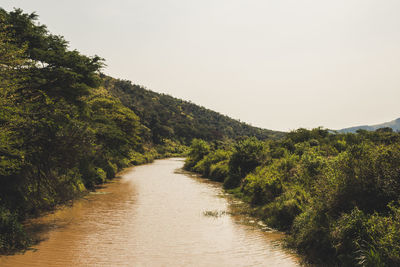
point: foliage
(12, 235)
(178, 120)
(204, 165)
(219, 170)
(197, 151)
(60, 131)
(65, 127)
(172, 148)
(336, 195)
(247, 154)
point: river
(154, 215)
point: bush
(368, 240)
(137, 158)
(383, 241)
(198, 149)
(246, 156)
(365, 176)
(263, 185)
(171, 148)
(111, 169)
(204, 165)
(12, 234)
(348, 233)
(101, 176)
(310, 235)
(281, 212)
(219, 171)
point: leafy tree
(246, 156)
(55, 70)
(198, 149)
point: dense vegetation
(65, 127)
(172, 118)
(60, 133)
(337, 195)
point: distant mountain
(176, 119)
(394, 124)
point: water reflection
(153, 216)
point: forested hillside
(336, 195)
(172, 118)
(65, 127)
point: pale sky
(276, 64)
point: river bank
(335, 195)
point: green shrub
(348, 233)
(368, 240)
(12, 234)
(198, 149)
(263, 185)
(137, 158)
(383, 242)
(219, 171)
(281, 212)
(310, 235)
(246, 156)
(204, 165)
(111, 169)
(171, 148)
(365, 176)
(101, 176)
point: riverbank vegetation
(65, 127)
(336, 195)
(61, 132)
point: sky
(275, 64)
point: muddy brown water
(154, 215)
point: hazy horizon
(278, 65)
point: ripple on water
(153, 216)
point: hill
(65, 127)
(173, 118)
(394, 124)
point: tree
(247, 155)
